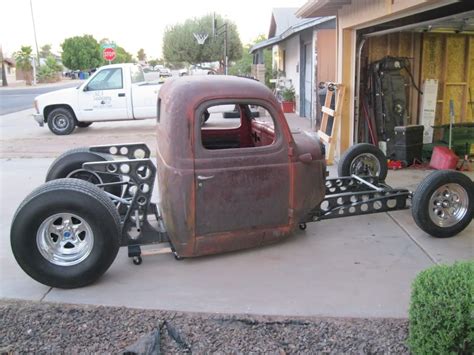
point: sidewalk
(20, 85)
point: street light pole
(34, 31)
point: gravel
(72, 329)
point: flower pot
(288, 106)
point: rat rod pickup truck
(242, 179)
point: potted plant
(288, 103)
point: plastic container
(288, 106)
(443, 158)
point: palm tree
(23, 62)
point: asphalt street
(18, 99)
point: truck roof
(119, 65)
(192, 90)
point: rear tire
(69, 165)
(66, 233)
(443, 204)
(363, 159)
(61, 121)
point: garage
(404, 63)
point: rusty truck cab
(227, 186)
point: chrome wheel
(448, 205)
(60, 122)
(365, 164)
(65, 239)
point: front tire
(66, 233)
(363, 159)
(61, 121)
(443, 204)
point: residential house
(436, 37)
(295, 44)
(10, 69)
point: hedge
(441, 311)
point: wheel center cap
(67, 234)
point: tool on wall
(451, 121)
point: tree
(45, 51)
(179, 44)
(81, 53)
(4, 72)
(141, 55)
(153, 62)
(122, 56)
(244, 65)
(23, 62)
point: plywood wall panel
(455, 50)
(432, 56)
(378, 48)
(454, 92)
(405, 44)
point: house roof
(321, 8)
(301, 25)
(9, 61)
(282, 19)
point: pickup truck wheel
(66, 233)
(363, 159)
(443, 203)
(69, 165)
(83, 124)
(61, 121)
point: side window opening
(106, 79)
(234, 126)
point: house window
(238, 125)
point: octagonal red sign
(109, 54)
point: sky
(131, 24)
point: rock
(149, 344)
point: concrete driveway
(351, 267)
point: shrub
(442, 310)
(288, 93)
(50, 71)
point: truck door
(241, 170)
(144, 94)
(104, 97)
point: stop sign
(108, 54)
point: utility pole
(221, 30)
(34, 31)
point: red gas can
(443, 158)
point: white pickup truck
(115, 92)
